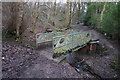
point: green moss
(61, 29)
(70, 42)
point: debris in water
(81, 66)
(91, 47)
(3, 58)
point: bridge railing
(64, 43)
(46, 37)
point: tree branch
(46, 6)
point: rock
(28, 49)
(49, 30)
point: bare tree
(19, 16)
(67, 15)
(101, 17)
(55, 8)
(35, 15)
(79, 11)
(70, 12)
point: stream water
(81, 66)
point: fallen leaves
(16, 59)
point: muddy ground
(21, 62)
(26, 62)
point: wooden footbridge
(64, 41)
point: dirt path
(22, 62)
(46, 67)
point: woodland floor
(25, 62)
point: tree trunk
(19, 16)
(101, 17)
(54, 13)
(78, 11)
(67, 22)
(36, 14)
(74, 7)
(70, 12)
(55, 8)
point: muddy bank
(22, 62)
(96, 61)
(16, 59)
